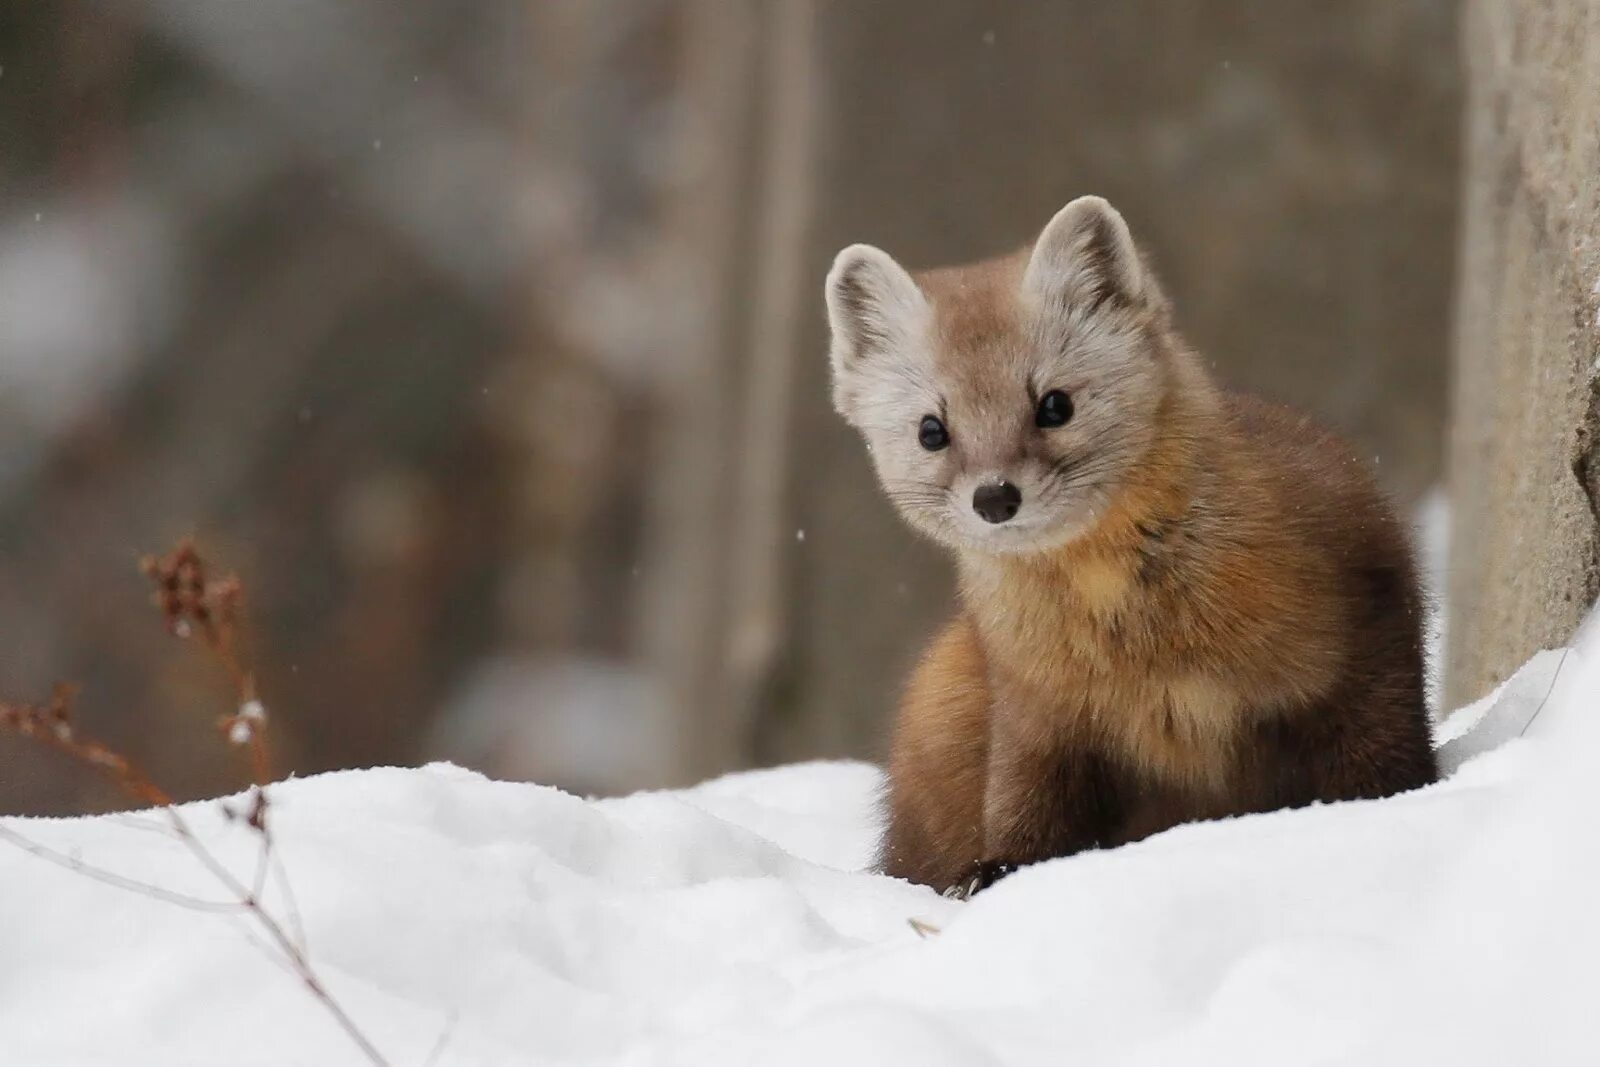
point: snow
(1431, 525)
(731, 924)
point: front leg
(1047, 795)
(938, 765)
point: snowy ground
(728, 925)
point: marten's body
(1176, 603)
(1251, 646)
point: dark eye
(1055, 408)
(931, 434)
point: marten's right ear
(874, 309)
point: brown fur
(1238, 631)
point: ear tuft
(872, 304)
(1085, 256)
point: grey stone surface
(1523, 467)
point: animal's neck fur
(1179, 614)
(1084, 636)
(1089, 575)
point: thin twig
(1554, 677)
(445, 1033)
(100, 874)
(290, 903)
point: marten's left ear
(1085, 257)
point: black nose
(997, 503)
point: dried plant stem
(191, 604)
(250, 900)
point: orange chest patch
(1178, 728)
(1083, 665)
(1099, 590)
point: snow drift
(479, 922)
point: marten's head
(1006, 403)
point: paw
(983, 876)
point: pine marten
(1175, 602)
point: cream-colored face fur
(978, 348)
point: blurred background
(484, 340)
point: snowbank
(727, 924)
